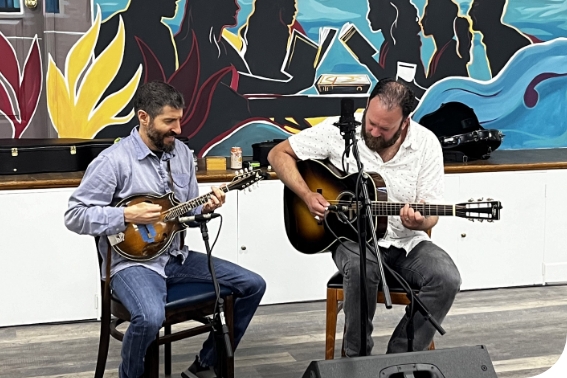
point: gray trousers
(426, 267)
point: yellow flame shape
(72, 105)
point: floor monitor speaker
(461, 362)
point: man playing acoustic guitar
(151, 161)
(409, 158)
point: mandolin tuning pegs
(481, 199)
(472, 220)
(490, 199)
(471, 200)
(490, 220)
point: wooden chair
(335, 294)
(185, 302)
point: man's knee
(151, 320)
(257, 284)
(449, 278)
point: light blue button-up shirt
(125, 169)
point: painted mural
(257, 70)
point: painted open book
(302, 50)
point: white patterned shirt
(414, 174)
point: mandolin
(309, 235)
(144, 242)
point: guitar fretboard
(392, 208)
(389, 208)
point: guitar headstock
(245, 179)
(488, 210)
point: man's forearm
(285, 167)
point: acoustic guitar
(309, 235)
(144, 242)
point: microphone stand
(364, 216)
(220, 329)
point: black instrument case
(29, 156)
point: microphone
(347, 123)
(336, 208)
(347, 111)
(198, 218)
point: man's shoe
(196, 370)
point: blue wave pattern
(526, 101)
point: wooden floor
(524, 330)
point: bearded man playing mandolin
(409, 158)
(152, 161)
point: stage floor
(524, 330)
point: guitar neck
(380, 208)
(183, 208)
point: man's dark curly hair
(154, 96)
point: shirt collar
(142, 149)
(411, 140)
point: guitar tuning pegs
(490, 220)
(472, 220)
(480, 199)
(481, 220)
(490, 199)
(471, 200)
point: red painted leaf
(200, 111)
(9, 63)
(152, 67)
(31, 84)
(186, 78)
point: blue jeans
(143, 292)
(426, 267)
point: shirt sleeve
(90, 210)
(316, 142)
(431, 180)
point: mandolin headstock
(245, 179)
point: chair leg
(331, 327)
(167, 351)
(104, 339)
(151, 363)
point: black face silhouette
(167, 8)
(438, 18)
(486, 12)
(427, 21)
(381, 14)
(288, 11)
(408, 21)
(214, 13)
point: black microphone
(336, 208)
(347, 110)
(347, 123)
(198, 218)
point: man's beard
(157, 138)
(379, 144)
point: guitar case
(461, 136)
(29, 156)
